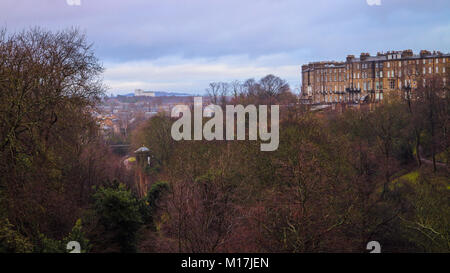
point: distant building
(367, 78)
(142, 93)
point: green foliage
(45, 244)
(410, 178)
(11, 240)
(156, 191)
(427, 224)
(443, 156)
(121, 213)
(153, 196)
(77, 234)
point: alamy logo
(73, 2)
(374, 246)
(374, 2)
(74, 247)
(181, 129)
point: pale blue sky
(182, 45)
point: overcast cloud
(182, 45)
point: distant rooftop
(143, 149)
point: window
(443, 69)
(392, 84)
(381, 74)
(389, 74)
(424, 71)
(437, 69)
(424, 61)
(388, 64)
(430, 70)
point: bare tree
(270, 87)
(237, 88)
(213, 91)
(224, 91)
(249, 88)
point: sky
(183, 45)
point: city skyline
(181, 46)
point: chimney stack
(364, 56)
(407, 53)
(424, 53)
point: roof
(379, 57)
(143, 149)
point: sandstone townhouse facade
(368, 78)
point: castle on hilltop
(142, 93)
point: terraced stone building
(368, 78)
